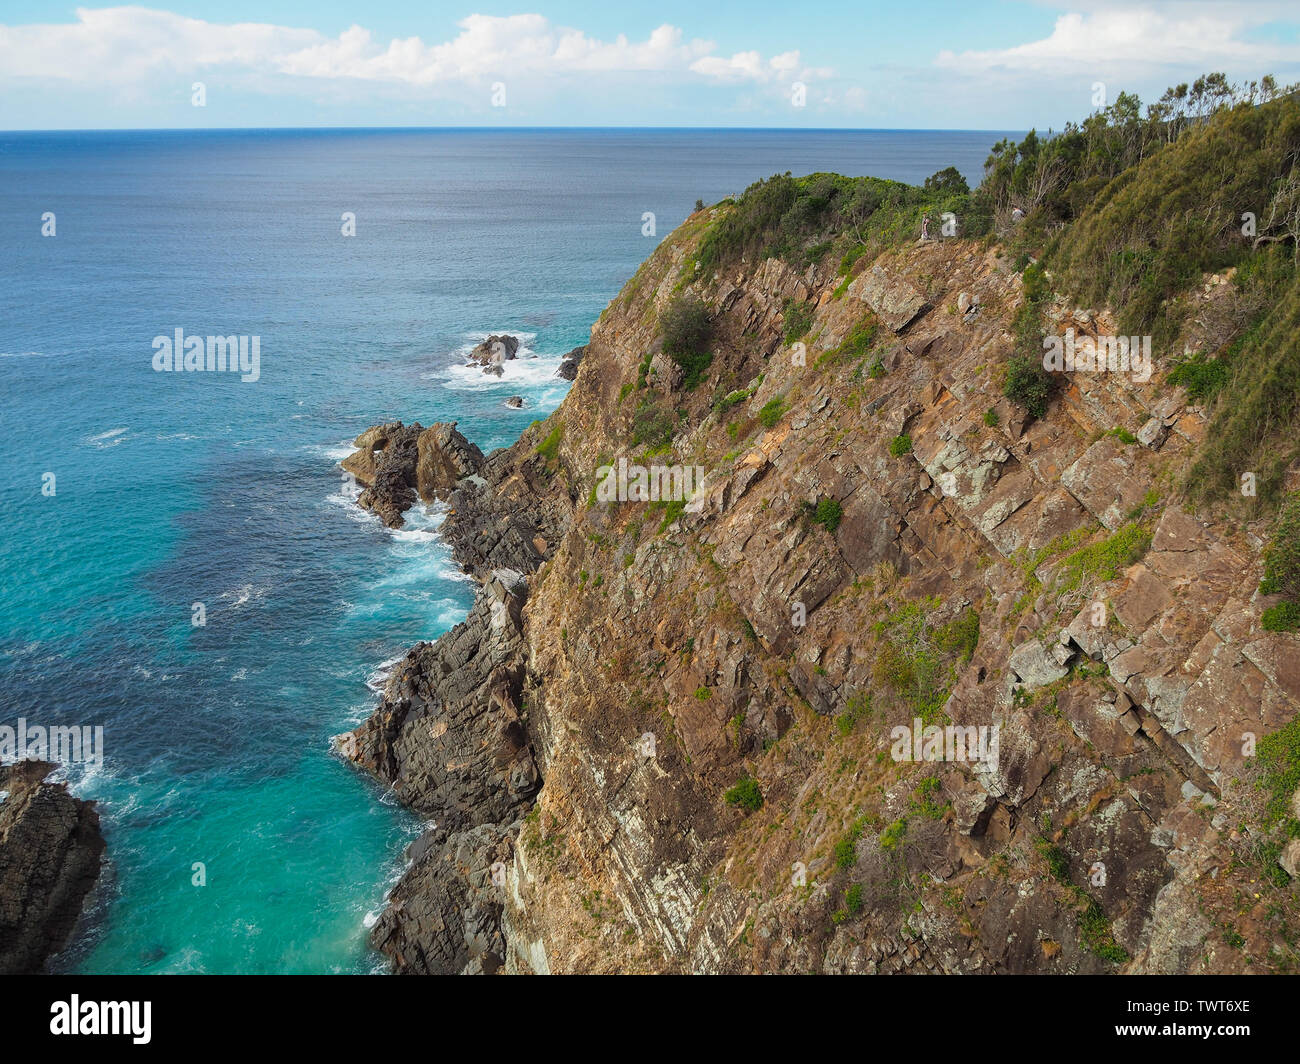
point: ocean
(237, 842)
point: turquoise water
(173, 489)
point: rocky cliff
(50, 850)
(666, 737)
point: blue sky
(927, 64)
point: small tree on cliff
(687, 328)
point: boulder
(896, 302)
(1034, 665)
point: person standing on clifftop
(925, 227)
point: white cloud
(1195, 36)
(127, 45)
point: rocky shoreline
(50, 855)
(449, 734)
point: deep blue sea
(172, 489)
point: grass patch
(549, 448)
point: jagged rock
(515, 402)
(444, 915)
(495, 350)
(50, 851)
(570, 363)
(896, 302)
(397, 464)
(1153, 433)
(665, 373)
(1034, 665)
(447, 734)
(385, 466)
(444, 458)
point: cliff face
(50, 850)
(880, 539)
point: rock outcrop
(396, 464)
(50, 851)
(665, 739)
(493, 351)
(569, 363)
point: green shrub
(961, 635)
(686, 326)
(857, 708)
(1279, 758)
(926, 800)
(1283, 617)
(771, 413)
(946, 182)
(1203, 377)
(900, 445)
(856, 345)
(991, 418)
(1037, 288)
(853, 899)
(798, 319)
(846, 848)
(800, 219)
(745, 794)
(687, 330)
(1103, 561)
(1098, 935)
(892, 837)
(827, 513)
(653, 426)
(672, 511)
(734, 398)
(1028, 384)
